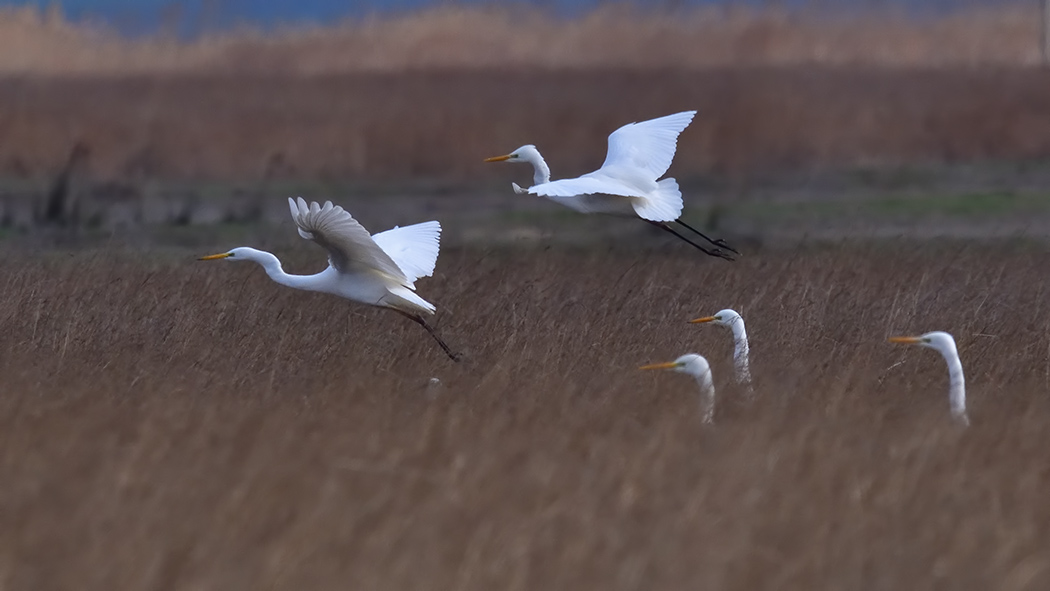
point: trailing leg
(715, 253)
(716, 242)
(420, 321)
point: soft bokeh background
(172, 424)
(815, 118)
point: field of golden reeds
(169, 423)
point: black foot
(723, 244)
(715, 252)
(716, 242)
(721, 254)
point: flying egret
(626, 184)
(696, 366)
(945, 344)
(735, 323)
(378, 270)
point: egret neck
(272, 265)
(541, 172)
(741, 352)
(956, 388)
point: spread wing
(350, 247)
(588, 184)
(649, 145)
(413, 248)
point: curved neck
(541, 173)
(741, 352)
(272, 265)
(956, 388)
(707, 397)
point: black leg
(715, 253)
(420, 321)
(716, 242)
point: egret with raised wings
(944, 344)
(378, 270)
(741, 362)
(696, 366)
(627, 182)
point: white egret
(735, 322)
(626, 184)
(696, 366)
(945, 345)
(378, 270)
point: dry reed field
(1005, 34)
(174, 424)
(438, 125)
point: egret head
(527, 153)
(692, 364)
(724, 318)
(237, 254)
(937, 340)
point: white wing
(588, 184)
(649, 145)
(596, 194)
(350, 247)
(413, 248)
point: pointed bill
(212, 257)
(498, 158)
(704, 319)
(907, 340)
(668, 365)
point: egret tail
(662, 205)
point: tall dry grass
(174, 424)
(34, 42)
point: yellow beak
(704, 319)
(212, 257)
(668, 365)
(908, 340)
(498, 158)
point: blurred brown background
(803, 106)
(173, 424)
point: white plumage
(414, 248)
(639, 154)
(944, 344)
(628, 182)
(741, 350)
(378, 270)
(696, 366)
(350, 247)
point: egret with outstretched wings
(378, 270)
(627, 182)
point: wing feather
(587, 184)
(350, 247)
(413, 248)
(648, 145)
